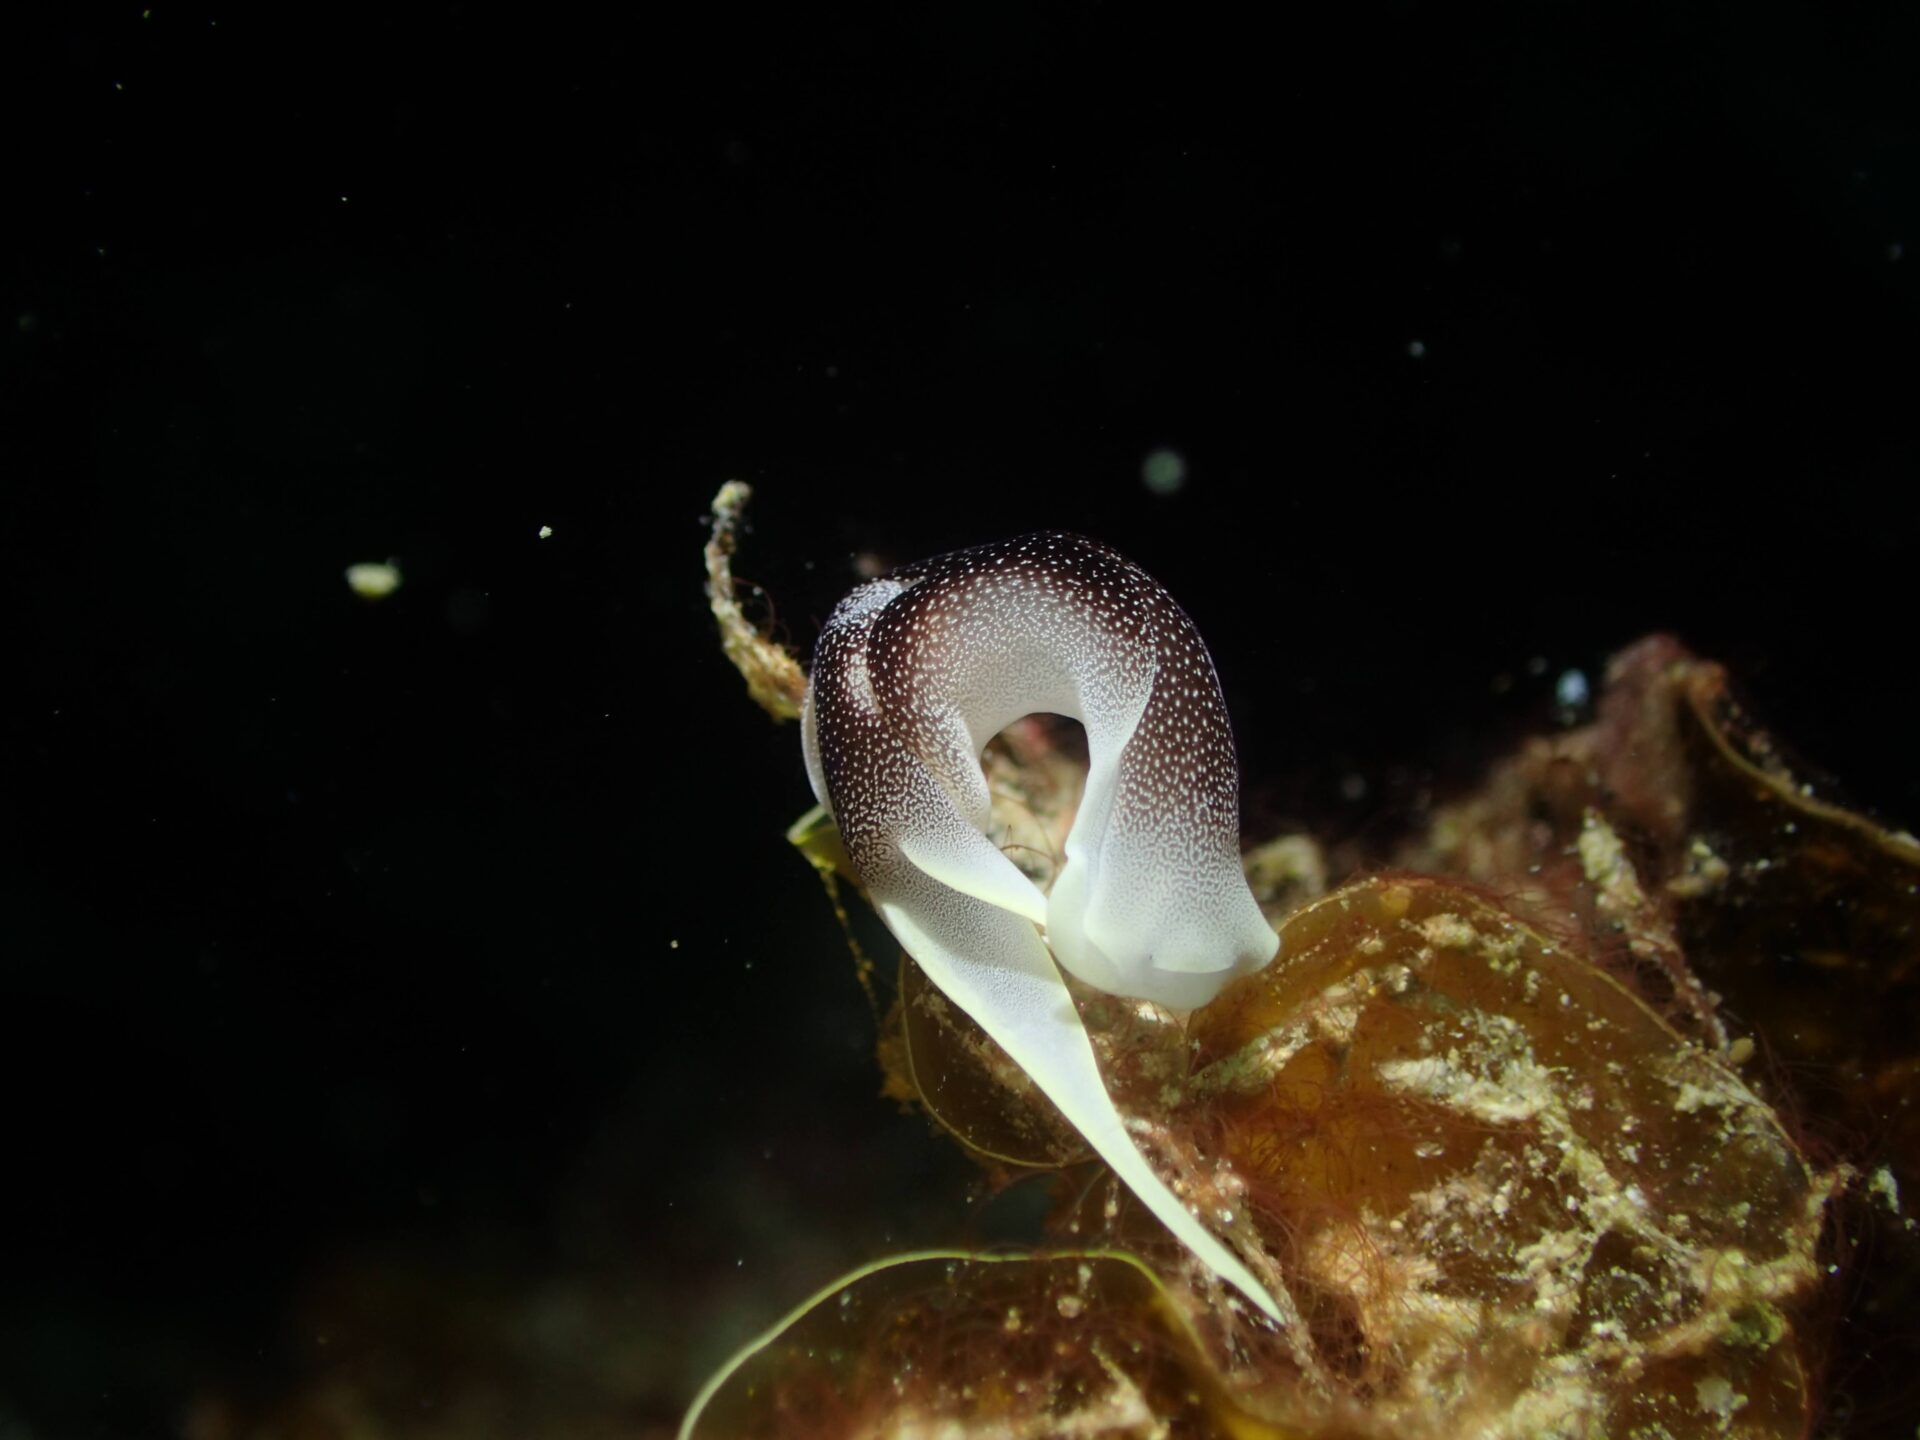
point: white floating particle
(1571, 689)
(546, 532)
(374, 580)
(1417, 349)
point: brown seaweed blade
(1809, 922)
(1799, 915)
(970, 1086)
(1084, 1343)
(1507, 1196)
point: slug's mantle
(913, 675)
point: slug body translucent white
(913, 675)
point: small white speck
(1416, 349)
(1571, 689)
(374, 580)
(546, 532)
(1884, 1188)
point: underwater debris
(774, 678)
(373, 579)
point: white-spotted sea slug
(913, 675)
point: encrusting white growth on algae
(913, 675)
